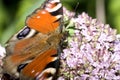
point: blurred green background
(13, 13)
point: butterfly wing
(47, 19)
(39, 38)
(43, 66)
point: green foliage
(114, 13)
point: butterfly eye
(21, 66)
(23, 33)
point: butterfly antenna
(76, 6)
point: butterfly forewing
(46, 17)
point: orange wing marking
(37, 65)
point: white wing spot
(43, 12)
(38, 17)
(33, 71)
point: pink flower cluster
(93, 51)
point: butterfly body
(32, 53)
